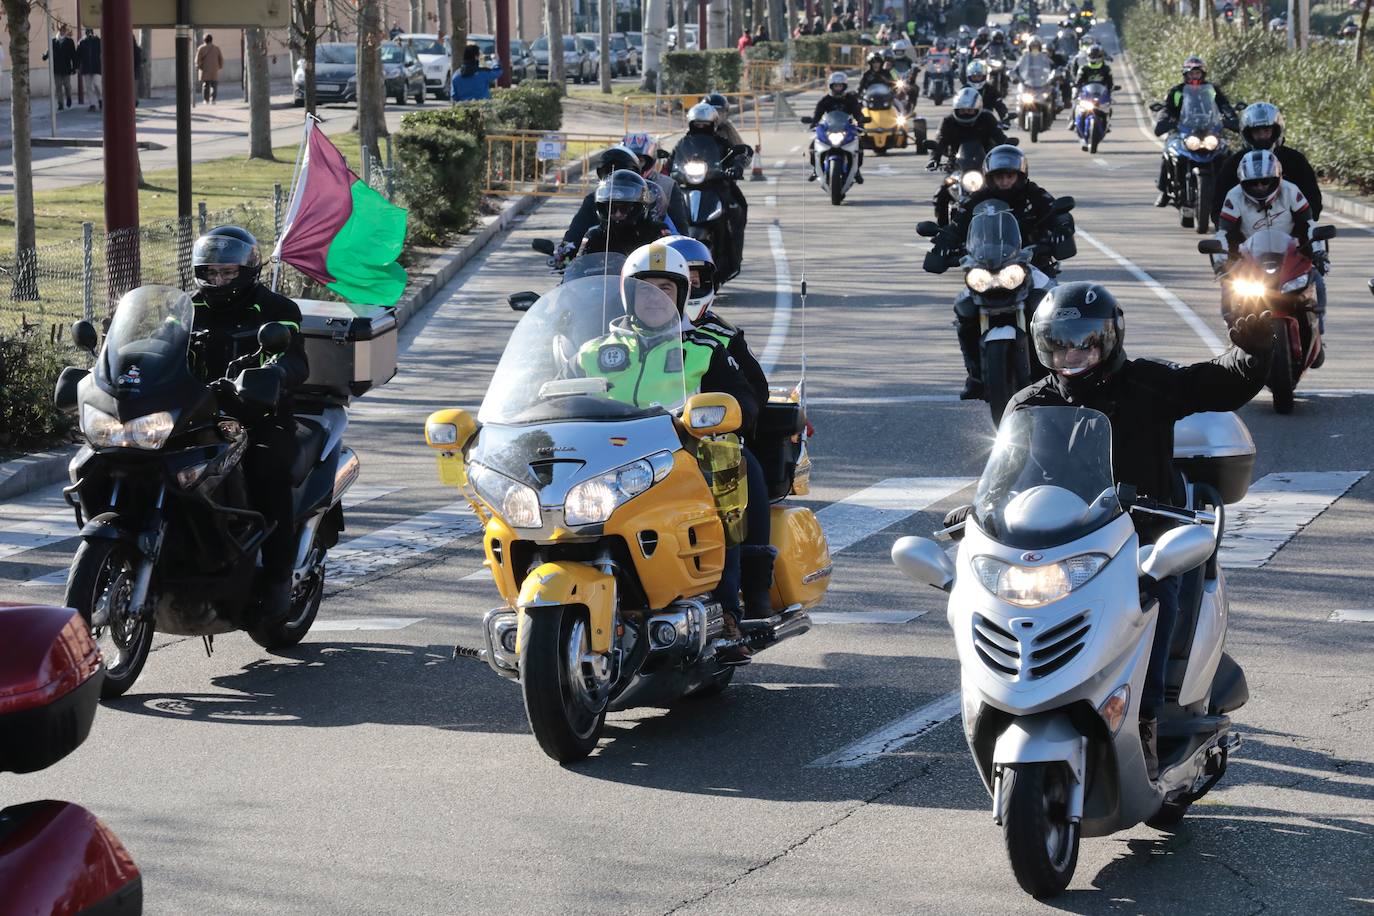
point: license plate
(327, 87)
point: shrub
(529, 106)
(442, 155)
(29, 366)
(686, 72)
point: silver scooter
(1054, 632)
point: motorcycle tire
(880, 150)
(837, 191)
(1281, 383)
(1204, 203)
(999, 376)
(1092, 146)
(1169, 815)
(291, 631)
(1035, 128)
(1042, 843)
(1185, 221)
(91, 575)
(565, 731)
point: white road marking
(771, 200)
(893, 736)
(1277, 507)
(822, 618)
(782, 301)
(1365, 615)
(351, 624)
(392, 546)
(1100, 161)
(1341, 218)
(1191, 317)
(795, 149)
(882, 399)
(780, 164)
(887, 502)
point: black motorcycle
(709, 180)
(169, 541)
(1196, 148)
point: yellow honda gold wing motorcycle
(607, 522)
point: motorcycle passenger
(612, 160)
(232, 305)
(674, 213)
(1194, 74)
(1079, 334)
(875, 73)
(624, 221)
(976, 77)
(634, 359)
(838, 98)
(725, 130)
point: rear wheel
(1168, 816)
(1042, 843)
(999, 375)
(305, 604)
(99, 587)
(1281, 370)
(565, 699)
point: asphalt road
(367, 772)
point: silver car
(576, 64)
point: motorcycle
(1003, 286)
(169, 541)
(837, 153)
(1091, 114)
(1036, 101)
(1273, 274)
(997, 74)
(940, 82)
(573, 267)
(606, 523)
(1054, 637)
(55, 856)
(888, 127)
(1196, 148)
(709, 180)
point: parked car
(435, 57)
(691, 31)
(625, 57)
(403, 74)
(336, 74)
(589, 44)
(521, 61)
(578, 66)
(636, 40)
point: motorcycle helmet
(1005, 159)
(699, 262)
(615, 159)
(1260, 175)
(977, 73)
(720, 103)
(1191, 64)
(983, 34)
(702, 118)
(1034, 46)
(226, 262)
(622, 199)
(655, 261)
(1079, 332)
(838, 83)
(1259, 115)
(1096, 56)
(646, 148)
(968, 104)
(875, 58)
(998, 36)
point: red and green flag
(340, 231)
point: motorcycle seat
(310, 440)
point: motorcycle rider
(612, 160)
(938, 61)
(1261, 126)
(674, 213)
(705, 118)
(1094, 69)
(838, 98)
(232, 305)
(624, 220)
(967, 122)
(1035, 56)
(1194, 75)
(976, 77)
(1079, 334)
(875, 73)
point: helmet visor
(222, 249)
(1073, 346)
(1260, 188)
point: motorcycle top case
(50, 677)
(1215, 449)
(351, 349)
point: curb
(23, 475)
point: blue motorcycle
(1196, 148)
(1091, 112)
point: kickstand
(209, 645)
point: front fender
(562, 583)
(1044, 738)
(108, 526)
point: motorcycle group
(632, 465)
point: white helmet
(657, 260)
(968, 104)
(1261, 176)
(839, 80)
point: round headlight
(979, 280)
(1011, 276)
(1192, 143)
(1211, 142)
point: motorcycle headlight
(901, 85)
(1086, 105)
(515, 502)
(1192, 143)
(695, 170)
(972, 182)
(1248, 289)
(836, 138)
(995, 64)
(901, 120)
(1011, 276)
(1295, 284)
(104, 431)
(980, 280)
(1028, 97)
(1210, 142)
(1032, 586)
(592, 501)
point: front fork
(148, 543)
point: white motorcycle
(1054, 632)
(836, 151)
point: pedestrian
(63, 64)
(209, 62)
(89, 64)
(473, 81)
(744, 41)
(761, 33)
(396, 31)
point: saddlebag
(351, 349)
(1215, 449)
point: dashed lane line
(1365, 615)
(894, 736)
(1277, 507)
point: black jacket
(726, 376)
(623, 242)
(234, 334)
(954, 133)
(585, 219)
(1146, 397)
(1030, 204)
(88, 56)
(1296, 169)
(992, 100)
(872, 76)
(1102, 74)
(1174, 99)
(712, 323)
(63, 56)
(848, 103)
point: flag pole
(310, 120)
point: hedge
(808, 49)
(28, 367)
(690, 72)
(1324, 95)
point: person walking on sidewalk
(63, 64)
(209, 62)
(89, 63)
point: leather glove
(957, 516)
(1253, 333)
(933, 165)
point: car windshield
(1198, 111)
(1049, 479)
(636, 39)
(336, 54)
(618, 42)
(428, 46)
(993, 238)
(392, 54)
(147, 342)
(540, 44)
(486, 45)
(577, 355)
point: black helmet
(998, 36)
(983, 33)
(1006, 158)
(615, 159)
(1079, 332)
(226, 262)
(1034, 45)
(720, 103)
(875, 57)
(1261, 114)
(623, 199)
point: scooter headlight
(1296, 284)
(972, 182)
(515, 502)
(980, 280)
(1192, 143)
(695, 170)
(104, 431)
(592, 501)
(1033, 586)
(836, 137)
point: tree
(21, 129)
(717, 25)
(306, 33)
(681, 11)
(259, 96)
(1359, 35)
(417, 15)
(777, 20)
(605, 10)
(553, 20)
(458, 15)
(655, 33)
(371, 87)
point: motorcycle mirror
(1179, 550)
(921, 560)
(928, 229)
(1116, 89)
(84, 336)
(1156, 107)
(741, 149)
(543, 246)
(1211, 246)
(1371, 286)
(663, 155)
(64, 396)
(449, 430)
(711, 414)
(1014, 141)
(929, 147)
(1062, 205)
(259, 387)
(807, 120)
(521, 302)
(1126, 494)
(1322, 233)
(274, 338)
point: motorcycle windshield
(993, 239)
(1049, 479)
(593, 349)
(834, 122)
(1198, 112)
(970, 157)
(145, 349)
(697, 148)
(1036, 73)
(1269, 248)
(1095, 92)
(879, 96)
(594, 264)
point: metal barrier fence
(850, 55)
(544, 164)
(762, 76)
(661, 115)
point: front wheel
(836, 187)
(1035, 127)
(565, 699)
(99, 587)
(1281, 382)
(999, 376)
(1042, 843)
(1204, 203)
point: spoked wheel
(99, 587)
(1281, 370)
(1042, 843)
(305, 604)
(999, 376)
(565, 694)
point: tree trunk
(458, 17)
(1359, 36)
(21, 129)
(655, 34)
(371, 85)
(306, 36)
(777, 20)
(443, 19)
(553, 13)
(417, 15)
(605, 14)
(681, 11)
(335, 33)
(717, 25)
(1304, 23)
(736, 25)
(145, 41)
(488, 17)
(259, 97)
(519, 19)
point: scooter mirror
(84, 336)
(1211, 246)
(921, 560)
(543, 246)
(1179, 550)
